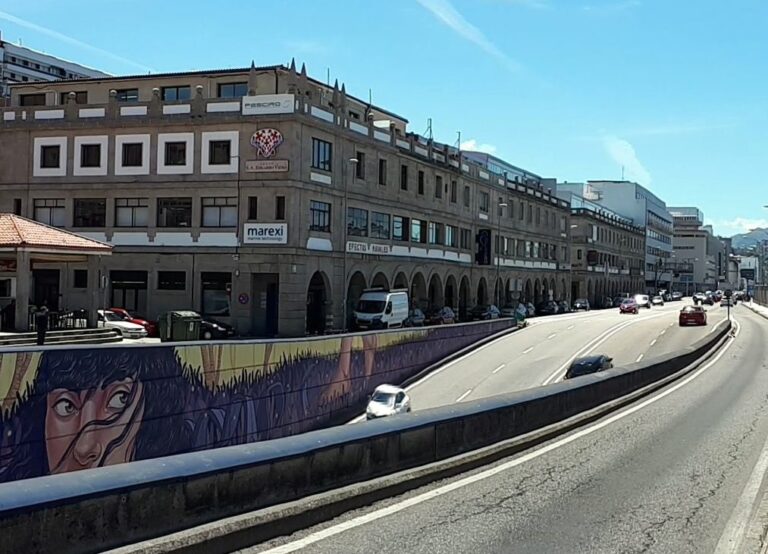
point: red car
(628, 306)
(150, 326)
(693, 315)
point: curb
(237, 532)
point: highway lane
(673, 472)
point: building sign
(266, 142)
(7, 266)
(266, 166)
(268, 104)
(265, 233)
(365, 248)
(748, 274)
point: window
(133, 154)
(216, 288)
(90, 155)
(536, 250)
(174, 212)
(50, 211)
(421, 182)
(253, 207)
(17, 206)
(530, 213)
(467, 196)
(499, 207)
(403, 177)
(538, 215)
(454, 192)
(418, 233)
(450, 236)
(171, 280)
(578, 254)
(220, 212)
(127, 95)
(90, 212)
(511, 209)
(522, 211)
(131, 212)
(280, 208)
(400, 228)
(81, 97)
(357, 222)
(233, 90)
(176, 153)
(80, 280)
(382, 172)
(176, 93)
(434, 232)
(219, 152)
(32, 99)
(379, 225)
(438, 186)
(50, 156)
(320, 216)
(321, 154)
(466, 239)
(485, 200)
(360, 165)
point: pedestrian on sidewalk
(41, 323)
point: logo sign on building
(265, 233)
(365, 248)
(266, 142)
(265, 104)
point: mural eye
(118, 400)
(64, 407)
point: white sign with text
(265, 233)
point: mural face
(66, 410)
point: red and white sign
(266, 142)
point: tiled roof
(19, 232)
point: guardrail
(93, 510)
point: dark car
(415, 318)
(564, 307)
(486, 311)
(440, 316)
(548, 307)
(692, 315)
(617, 301)
(604, 303)
(211, 329)
(676, 296)
(581, 304)
(588, 365)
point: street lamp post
(499, 213)
(352, 165)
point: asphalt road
(677, 471)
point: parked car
(643, 301)
(416, 318)
(618, 301)
(125, 328)
(581, 304)
(628, 306)
(657, 300)
(387, 400)
(693, 315)
(509, 310)
(548, 307)
(530, 310)
(564, 307)
(588, 365)
(381, 309)
(211, 329)
(605, 303)
(703, 298)
(484, 311)
(150, 326)
(440, 316)
(675, 296)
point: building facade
(19, 64)
(700, 258)
(607, 253)
(644, 209)
(268, 200)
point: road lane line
(527, 350)
(571, 327)
(502, 366)
(653, 342)
(664, 331)
(450, 487)
(463, 396)
(640, 357)
(553, 335)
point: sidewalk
(757, 308)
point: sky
(673, 94)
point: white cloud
(623, 153)
(473, 146)
(444, 12)
(70, 40)
(738, 225)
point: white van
(381, 309)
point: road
(678, 471)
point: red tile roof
(19, 232)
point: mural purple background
(70, 409)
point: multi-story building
(269, 200)
(19, 64)
(644, 209)
(607, 252)
(699, 257)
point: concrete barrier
(92, 510)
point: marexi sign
(265, 233)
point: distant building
(19, 64)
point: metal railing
(72, 319)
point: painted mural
(70, 409)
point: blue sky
(676, 92)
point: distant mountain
(754, 237)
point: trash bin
(179, 326)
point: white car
(657, 301)
(642, 300)
(127, 329)
(387, 400)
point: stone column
(94, 289)
(23, 288)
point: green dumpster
(179, 326)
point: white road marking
(450, 487)
(463, 396)
(653, 342)
(527, 350)
(671, 324)
(664, 331)
(553, 335)
(640, 357)
(502, 366)
(570, 327)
